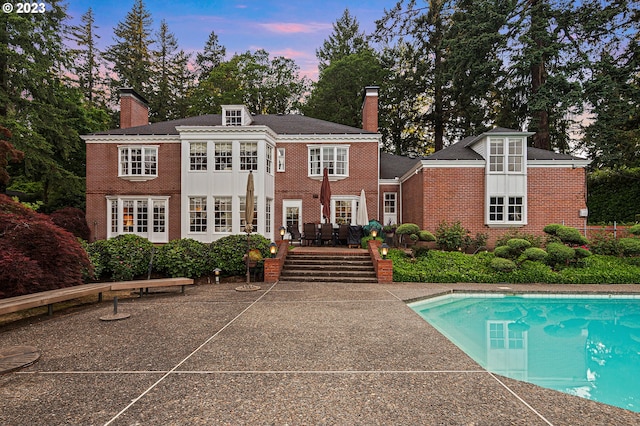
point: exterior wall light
(217, 274)
(273, 249)
(384, 250)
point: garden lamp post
(384, 250)
(282, 232)
(374, 233)
(273, 249)
(216, 272)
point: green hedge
(451, 267)
(613, 195)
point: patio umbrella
(249, 205)
(362, 217)
(325, 195)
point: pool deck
(289, 354)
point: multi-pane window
(269, 159)
(343, 209)
(141, 216)
(138, 161)
(223, 214)
(515, 158)
(292, 217)
(390, 202)
(248, 156)
(496, 336)
(233, 117)
(515, 209)
(496, 155)
(267, 215)
(223, 155)
(281, 159)
(128, 215)
(159, 216)
(243, 209)
(198, 156)
(496, 209)
(114, 216)
(334, 158)
(197, 214)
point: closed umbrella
(362, 217)
(249, 205)
(325, 195)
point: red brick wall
(102, 181)
(294, 183)
(370, 110)
(388, 188)
(555, 195)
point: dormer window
(235, 115)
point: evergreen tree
(212, 56)
(131, 56)
(346, 39)
(87, 58)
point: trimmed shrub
(73, 220)
(566, 234)
(37, 254)
(99, 255)
(503, 252)
(129, 256)
(407, 228)
(228, 252)
(451, 237)
(635, 229)
(517, 246)
(552, 228)
(535, 240)
(182, 258)
(629, 246)
(581, 252)
(534, 254)
(503, 265)
(559, 254)
(426, 236)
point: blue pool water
(581, 345)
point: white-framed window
(515, 207)
(223, 155)
(248, 156)
(267, 215)
(496, 209)
(143, 216)
(198, 156)
(269, 159)
(243, 209)
(334, 158)
(281, 159)
(233, 117)
(223, 214)
(343, 212)
(138, 162)
(506, 209)
(197, 214)
(506, 155)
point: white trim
(559, 163)
(131, 139)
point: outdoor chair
(310, 233)
(296, 236)
(343, 234)
(355, 235)
(326, 233)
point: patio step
(328, 267)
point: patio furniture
(343, 234)
(326, 233)
(310, 233)
(355, 235)
(296, 236)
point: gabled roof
(286, 124)
(392, 166)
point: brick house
(186, 178)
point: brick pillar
(273, 265)
(134, 109)
(370, 109)
(384, 267)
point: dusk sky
(293, 29)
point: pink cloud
(293, 27)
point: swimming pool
(587, 346)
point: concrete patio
(289, 354)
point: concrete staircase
(328, 266)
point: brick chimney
(134, 109)
(370, 109)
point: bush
(73, 220)
(426, 236)
(566, 234)
(450, 237)
(534, 254)
(99, 255)
(37, 255)
(629, 246)
(228, 252)
(364, 242)
(606, 244)
(182, 258)
(503, 265)
(129, 256)
(559, 254)
(407, 228)
(503, 252)
(635, 229)
(535, 240)
(517, 246)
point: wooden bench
(146, 284)
(49, 297)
